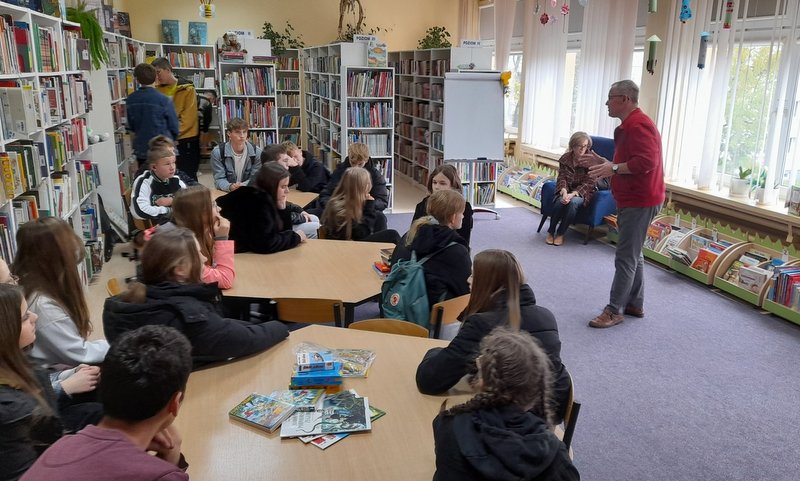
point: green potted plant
(435, 37)
(91, 30)
(281, 41)
(741, 185)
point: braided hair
(512, 370)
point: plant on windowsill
(741, 185)
(91, 30)
(435, 37)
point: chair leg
(588, 235)
(569, 429)
(544, 218)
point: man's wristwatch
(614, 168)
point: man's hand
(234, 186)
(167, 444)
(601, 170)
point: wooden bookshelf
(48, 166)
(346, 101)
(290, 99)
(421, 110)
(247, 90)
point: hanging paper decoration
(554, 3)
(686, 11)
(537, 8)
(651, 53)
(544, 18)
(583, 3)
(701, 56)
(564, 13)
(652, 6)
(207, 9)
(728, 14)
(505, 78)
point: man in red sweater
(637, 183)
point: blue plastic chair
(602, 203)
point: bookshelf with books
(747, 273)
(289, 97)
(700, 252)
(419, 90)
(247, 91)
(48, 167)
(346, 101)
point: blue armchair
(602, 203)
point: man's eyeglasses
(612, 96)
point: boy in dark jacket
(307, 173)
(149, 113)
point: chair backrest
(603, 146)
(571, 416)
(446, 312)
(309, 311)
(140, 224)
(113, 287)
(322, 232)
(390, 326)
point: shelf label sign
(364, 38)
(242, 33)
(470, 43)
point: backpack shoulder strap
(424, 259)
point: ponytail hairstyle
(496, 278)
(442, 206)
(346, 205)
(167, 250)
(159, 147)
(15, 370)
(192, 208)
(513, 369)
(47, 261)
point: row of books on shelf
(64, 98)
(248, 81)
(76, 50)
(262, 138)
(232, 57)
(294, 138)
(288, 100)
(427, 111)
(422, 90)
(436, 68)
(258, 113)
(481, 171)
(184, 59)
(483, 193)
(122, 144)
(122, 53)
(378, 144)
(288, 83)
(330, 88)
(288, 63)
(370, 114)
(752, 270)
(92, 261)
(66, 141)
(289, 121)
(24, 108)
(785, 288)
(376, 83)
(322, 63)
(121, 84)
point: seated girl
(194, 210)
(446, 177)
(171, 293)
(47, 265)
(350, 213)
(29, 415)
(447, 271)
(499, 297)
(574, 188)
(505, 431)
(260, 221)
(301, 220)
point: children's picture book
(123, 25)
(303, 399)
(386, 255)
(262, 411)
(198, 33)
(377, 54)
(341, 413)
(170, 31)
(705, 258)
(319, 377)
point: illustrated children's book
(343, 412)
(170, 31)
(314, 361)
(198, 33)
(262, 411)
(303, 399)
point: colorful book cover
(262, 411)
(198, 33)
(705, 258)
(123, 24)
(314, 361)
(341, 413)
(170, 31)
(303, 399)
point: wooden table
(399, 447)
(295, 196)
(317, 268)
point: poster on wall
(170, 31)
(198, 33)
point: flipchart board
(473, 116)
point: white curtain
(606, 57)
(468, 16)
(503, 30)
(544, 57)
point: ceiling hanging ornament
(564, 13)
(583, 3)
(207, 9)
(554, 3)
(545, 18)
(686, 11)
(537, 8)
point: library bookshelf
(48, 166)
(247, 91)
(347, 101)
(290, 120)
(421, 112)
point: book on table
(303, 399)
(314, 361)
(319, 377)
(262, 412)
(343, 412)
